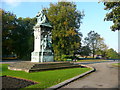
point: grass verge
(116, 64)
(45, 79)
(96, 60)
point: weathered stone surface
(33, 67)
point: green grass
(116, 64)
(45, 79)
(96, 60)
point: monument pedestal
(47, 56)
(35, 57)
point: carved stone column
(35, 55)
(42, 41)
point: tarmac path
(105, 76)
(9, 62)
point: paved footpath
(8, 62)
(105, 76)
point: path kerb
(72, 79)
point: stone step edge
(42, 69)
(55, 68)
(71, 79)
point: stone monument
(42, 40)
(42, 56)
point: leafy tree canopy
(66, 22)
(95, 42)
(8, 25)
(112, 54)
(17, 35)
(114, 13)
(85, 51)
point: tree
(84, 51)
(66, 21)
(102, 51)
(114, 13)
(8, 25)
(118, 55)
(94, 42)
(23, 37)
(102, 48)
(112, 54)
(17, 35)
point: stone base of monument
(47, 56)
(34, 67)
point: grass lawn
(116, 64)
(45, 79)
(96, 60)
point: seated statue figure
(41, 18)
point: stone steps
(24, 65)
(33, 67)
(53, 68)
(49, 65)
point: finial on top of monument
(42, 20)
